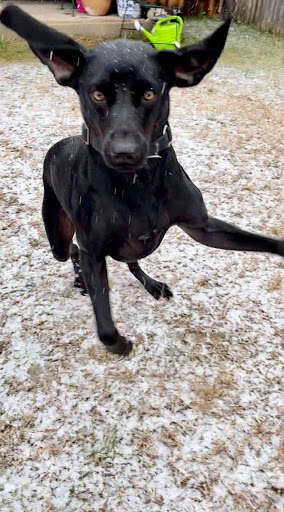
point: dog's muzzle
(126, 151)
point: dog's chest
(137, 242)
(137, 229)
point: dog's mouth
(123, 165)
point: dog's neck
(156, 147)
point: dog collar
(156, 147)
(162, 143)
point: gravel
(191, 420)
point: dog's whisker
(154, 156)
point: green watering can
(166, 33)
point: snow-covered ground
(191, 420)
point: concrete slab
(63, 20)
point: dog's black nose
(125, 151)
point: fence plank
(266, 14)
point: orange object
(96, 7)
(172, 4)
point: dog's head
(123, 85)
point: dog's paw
(79, 283)
(59, 254)
(121, 347)
(158, 290)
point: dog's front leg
(156, 288)
(95, 276)
(216, 233)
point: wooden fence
(211, 7)
(265, 14)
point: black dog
(121, 188)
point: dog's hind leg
(221, 235)
(79, 279)
(60, 231)
(58, 226)
(156, 288)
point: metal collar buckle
(86, 134)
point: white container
(128, 9)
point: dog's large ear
(60, 53)
(190, 64)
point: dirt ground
(191, 420)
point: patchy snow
(191, 421)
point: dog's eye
(149, 95)
(98, 96)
